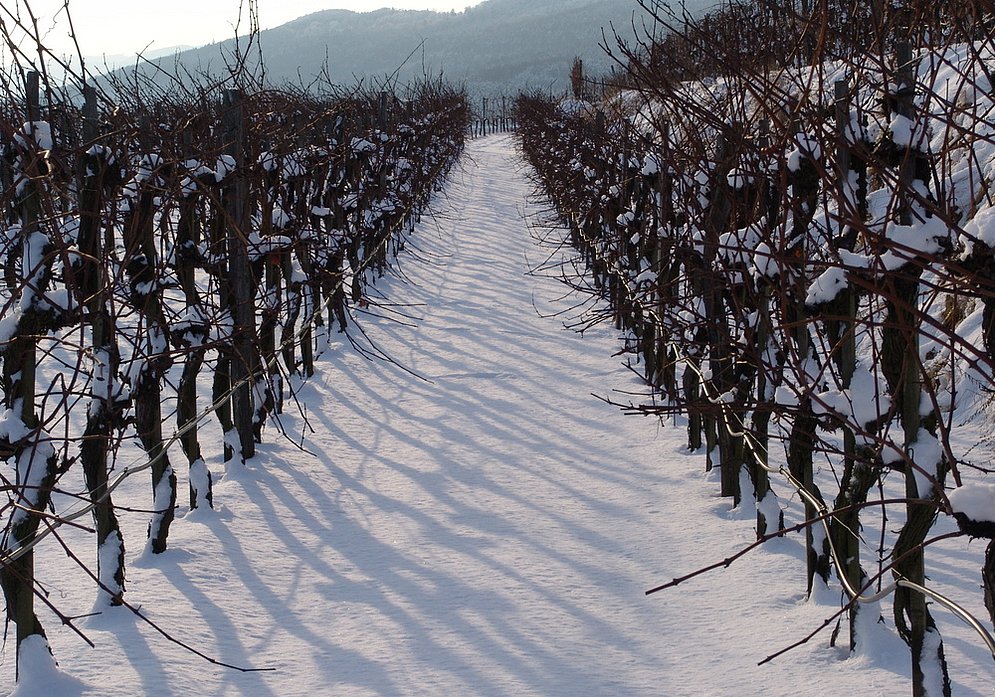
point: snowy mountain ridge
(498, 46)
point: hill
(497, 46)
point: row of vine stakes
(143, 233)
(774, 258)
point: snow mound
(40, 675)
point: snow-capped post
(241, 300)
(593, 230)
(380, 232)
(769, 512)
(356, 157)
(717, 217)
(973, 506)
(840, 320)
(616, 211)
(695, 345)
(294, 288)
(903, 369)
(276, 185)
(21, 436)
(640, 248)
(193, 333)
(218, 255)
(667, 271)
(142, 265)
(104, 413)
(334, 248)
(804, 180)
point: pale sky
(108, 27)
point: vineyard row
(798, 250)
(149, 246)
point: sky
(110, 27)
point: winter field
(468, 518)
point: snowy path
(487, 530)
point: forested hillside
(496, 47)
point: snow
(927, 453)
(652, 166)
(361, 146)
(910, 241)
(268, 161)
(200, 481)
(905, 133)
(826, 286)
(976, 500)
(625, 218)
(226, 165)
(862, 403)
(281, 218)
(108, 554)
(806, 147)
(12, 428)
(232, 441)
(261, 246)
(931, 668)
(575, 107)
(163, 492)
(981, 228)
(32, 267)
(31, 469)
(470, 520)
(40, 675)
(763, 261)
(769, 507)
(37, 132)
(739, 178)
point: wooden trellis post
(858, 475)
(901, 348)
(721, 357)
(760, 419)
(188, 237)
(94, 290)
(241, 293)
(804, 196)
(32, 456)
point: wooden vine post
(841, 324)
(667, 273)
(143, 270)
(695, 273)
(718, 215)
(804, 183)
(902, 367)
(22, 439)
(267, 383)
(241, 293)
(104, 412)
(193, 337)
(760, 418)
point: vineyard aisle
(471, 521)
